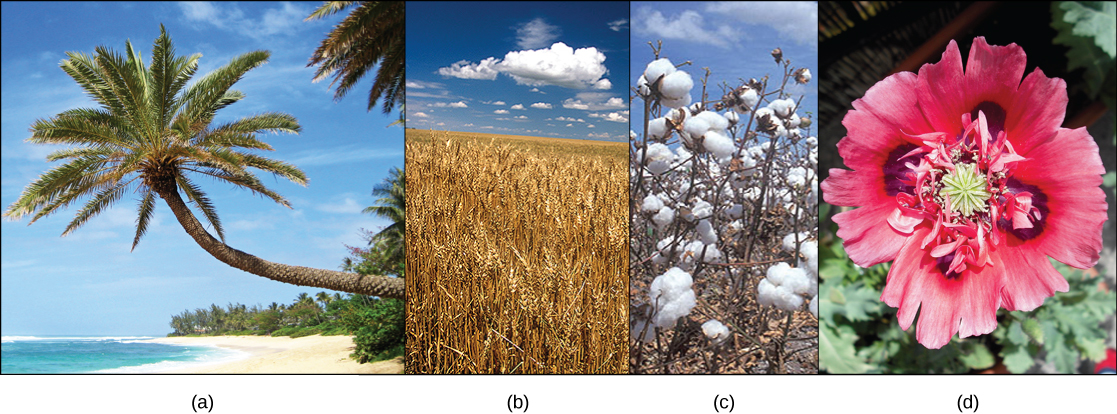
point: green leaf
(1092, 349)
(1017, 358)
(1090, 20)
(1062, 356)
(855, 302)
(1072, 20)
(1032, 328)
(977, 356)
(1016, 334)
(836, 352)
(1109, 179)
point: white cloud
(458, 104)
(286, 19)
(487, 127)
(559, 65)
(537, 90)
(612, 116)
(417, 84)
(441, 124)
(469, 124)
(465, 69)
(420, 115)
(569, 119)
(569, 125)
(519, 106)
(688, 26)
(541, 105)
(595, 101)
(500, 111)
(601, 135)
(521, 117)
(797, 21)
(498, 103)
(536, 34)
(590, 126)
(618, 25)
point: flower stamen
(967, 190)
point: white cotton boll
(664, 217)
(797, 281)
(762, 112)
(804, 76)
(715, 330)
(696, 126)
(675, 85)
(631, 135)
(675, 309)
(809, 249)
(746, 101)
(719, 144)
(714, 119)
(702, 210)
(734, 211)
(793, 122)
(676, 103)
(778, 274)
(712, 254)
(789, 240)
(814, 306)
(812, 142)
(657, 129)
(787, 300)
(682, 153)
(765, 293)
(706, 232)
(658, 67)
(732, 117)
(658, 167)
(642, 86)
(782, 107)
(652, 203)
(781, 131)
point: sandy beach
(283, 355)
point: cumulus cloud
(537, 90)
(536, 34)
(594, 101)
(417, 84)
(464, 69)
(458, 104)
(521, 117)
(796, 21)
(541, 105)
(420, 115)
(496, 103)
(559, 65)
(569, 119)
(688, 26)
(500, 111)
(518, 106)
(621, 116)
(618, 25)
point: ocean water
(102, 354)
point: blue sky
(733, 39)
(89, 282)
(549, 69)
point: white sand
(282, 355)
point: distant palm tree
(372, 33)
(391, 205)
(150, 134)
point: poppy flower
(966, 179)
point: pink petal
(1037, 112)
(881, 121)
(992, 73)
(941, 96)
(866, 235)
(1029, 276)
(965, 304)
(1067, 169)
(903, 223)
(854, 188)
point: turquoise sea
(102, 354)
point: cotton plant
(710, 170)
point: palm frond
(104, 199)
(147, 208)
(329, 8)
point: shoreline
(314, 354)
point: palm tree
(372, 33)
(150, 135)
(391, 205)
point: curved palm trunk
(382, 286)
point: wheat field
(517, 254)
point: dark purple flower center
(896, 172)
